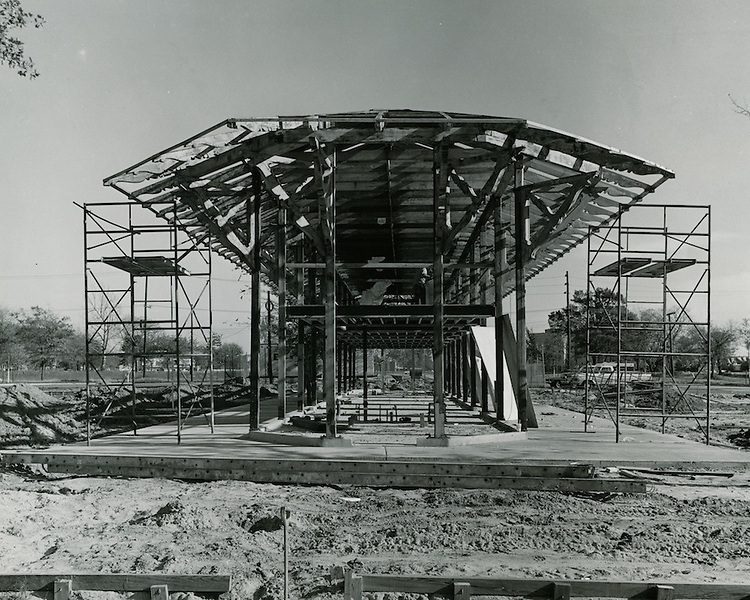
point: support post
(461, 590)
(176, 296)
(352, 586)
(269, 341)
(281, 284)
(301, 330)
(329, 287)
(284, 519)
(459, 387)
(561, 591)
(465, 368)
(159, 592)
(521, 233)
(473, 371)
(364, 366)
(569, 334)
(485, 395)
(440, 215)
(449, 369)
(339, 368)
(253, 221)
(62, 589)
(499, 258)
(86, 326)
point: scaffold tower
(148, 313)
(648, 324)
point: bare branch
(739, 108)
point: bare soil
(730, 415)
(159, 525)
(84, 524)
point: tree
(723, 340)
(602, 307)
(601, 327)
(73, 352)
(43, 335)
(534, 352)
(229, 357)
(12, 54)
(743, 336)
(11, 351)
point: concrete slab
(559, 440)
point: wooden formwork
(406, 474)
(153, 586)
(355, 585)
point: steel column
(254, 229)
(281, 283)
(521, 232)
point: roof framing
(381, 165)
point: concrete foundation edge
(488, 438)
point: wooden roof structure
(387, 168)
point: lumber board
(410, 481)
(116, 582)
(539, 588)
(75, 461)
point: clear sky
(122, 79)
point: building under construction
(376, 229)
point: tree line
(593, 317)
(40, 339)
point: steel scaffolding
(148, 312)
(648, 317)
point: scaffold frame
(655, 256)
(156, 316)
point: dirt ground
(84, 524)
(157, 525)
(730, 415)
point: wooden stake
(63, 588)
(461, 590)
(560, 591)
(158, 592)
(284, 516)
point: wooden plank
(540, 588)
(116, 582)
(410, 481)
(68, 463)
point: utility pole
(568, 357)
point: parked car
(565, 379)
(606, 374)
(601, 375)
